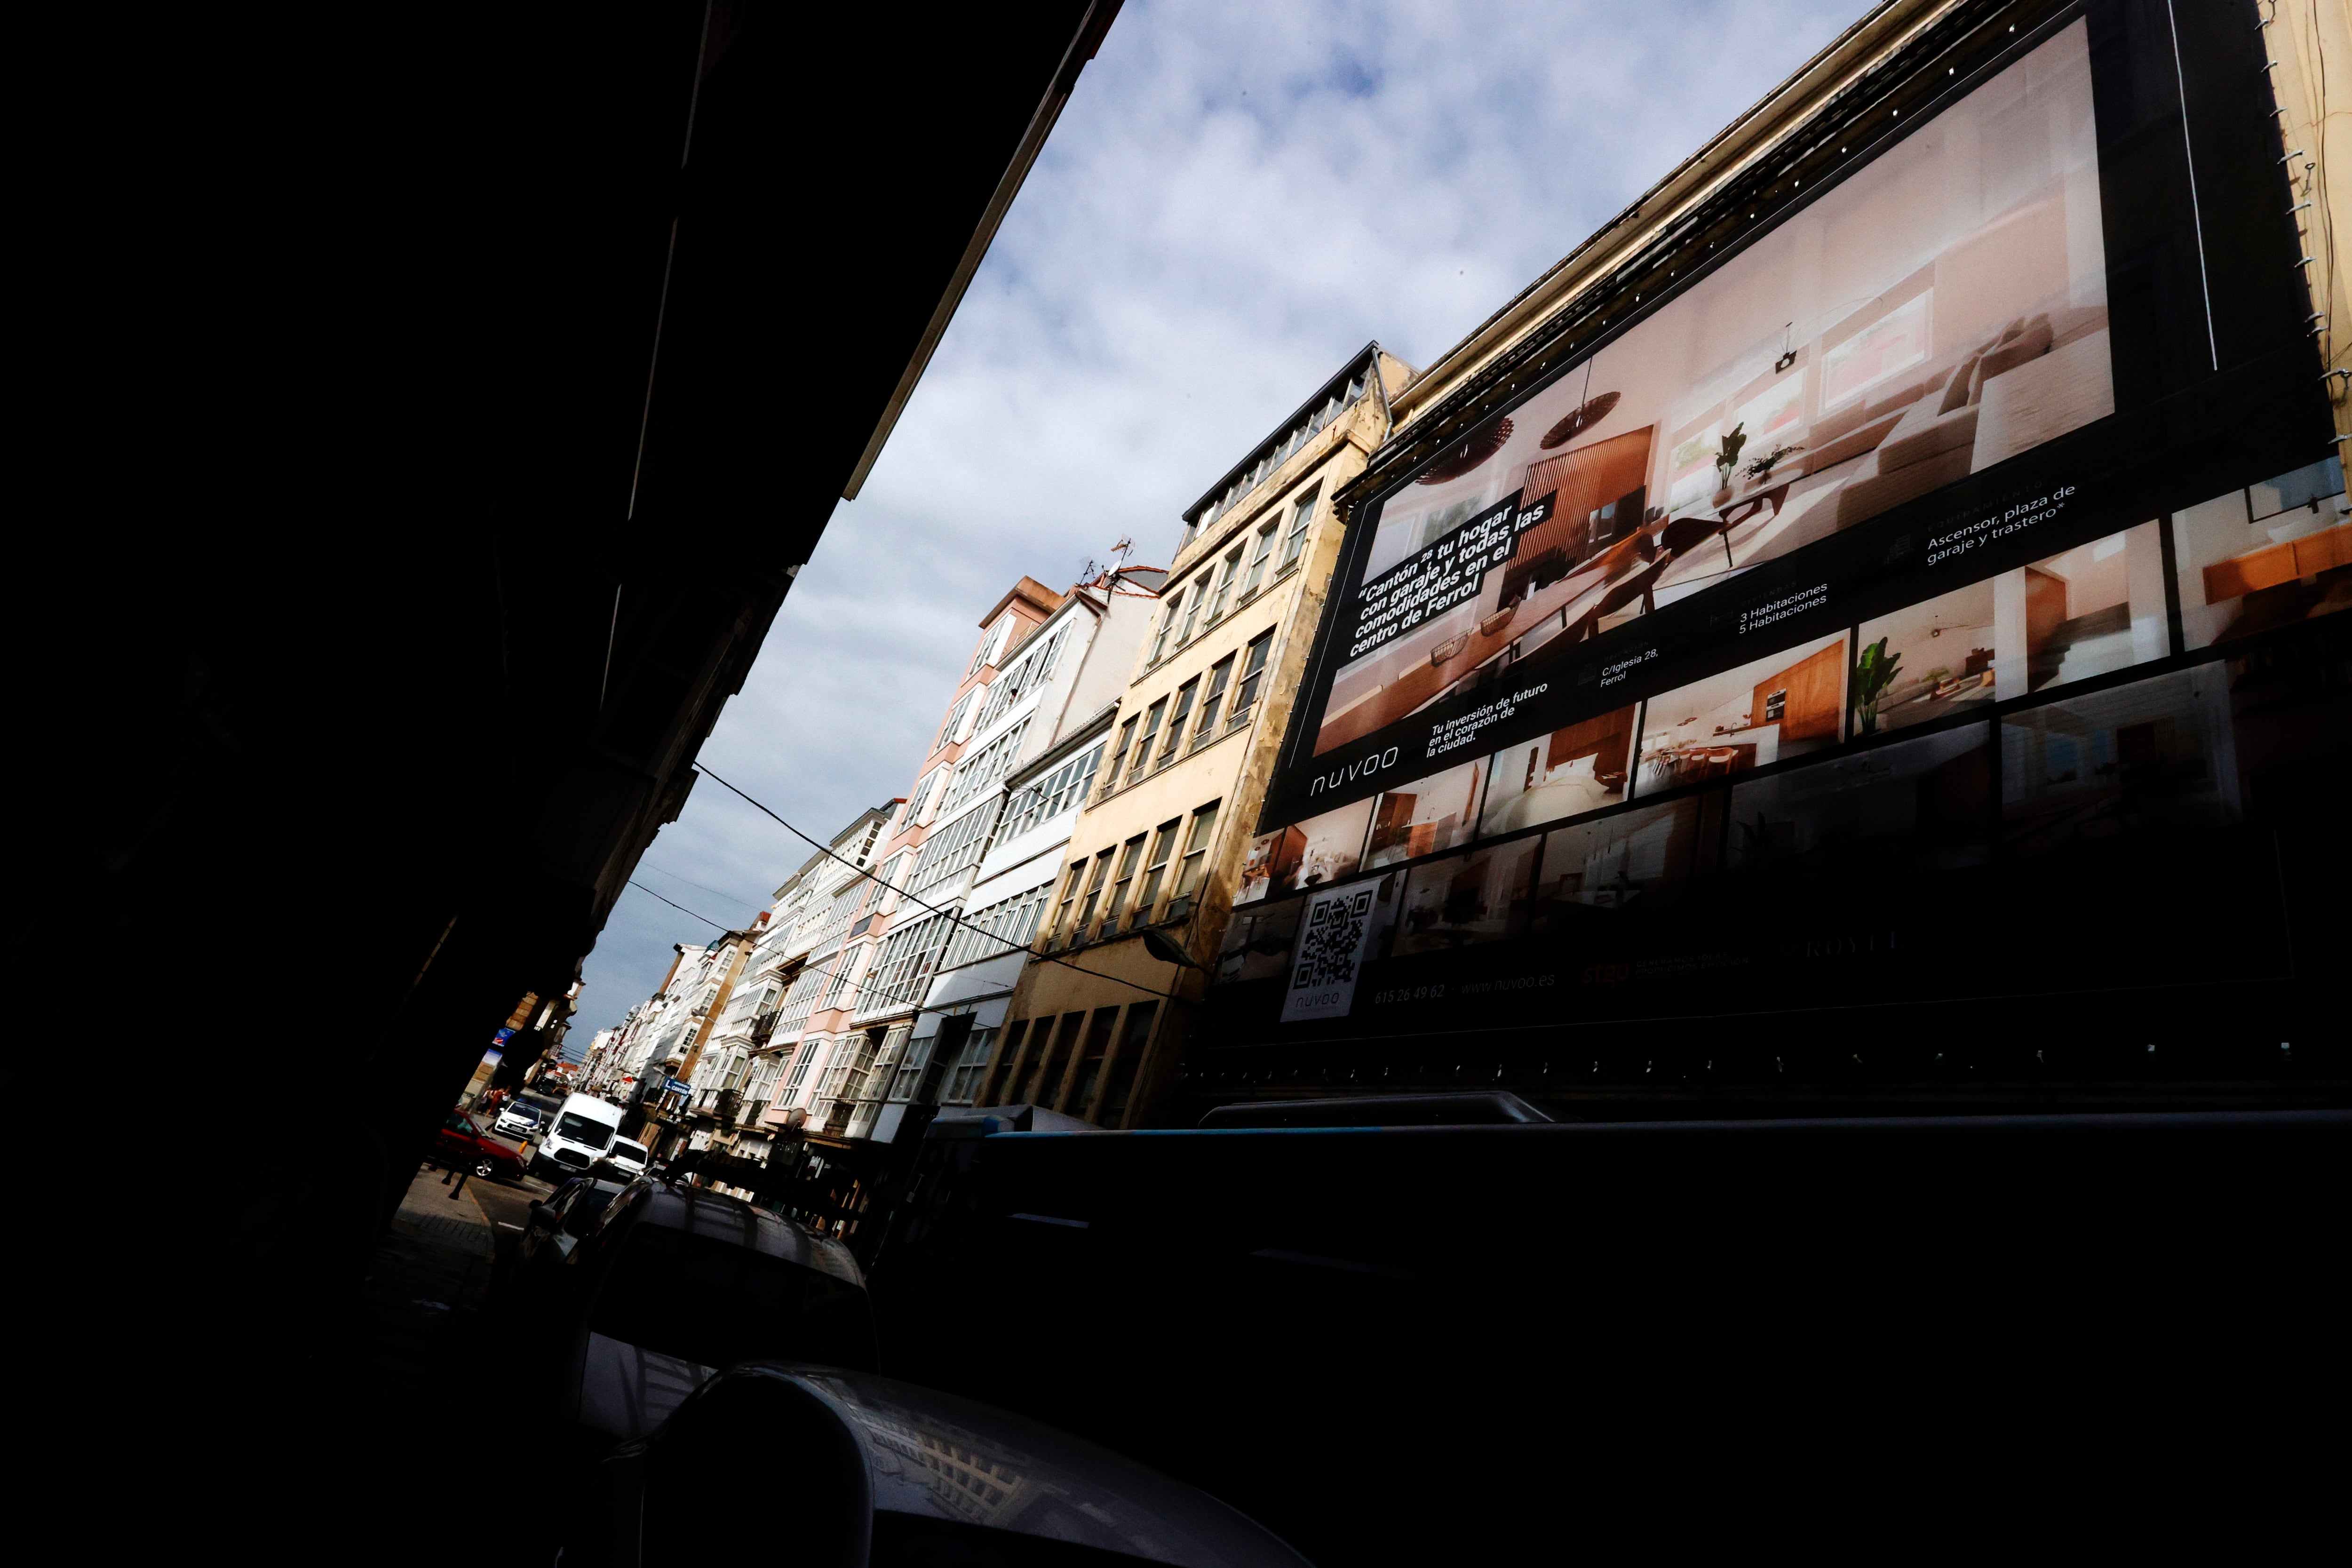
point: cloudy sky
(1238, 195)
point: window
(1167, 624)
(1044, 799)
(1128, 855)
(1219, 675)
(1225, 576)
(1301, 515)
(1062, 932)
(844, 969)
(1196, 858)
(894, 874)
(949, 731)
(955, 848)
(1252, 672)
(1192, 614)
(963, 1075)
(1110, 774)
(916, 801)
(985, 767)
(1155, 870)
(1258, 559)
(810, 1053)
(911, 1063)
(1093, 892)
(1026, 674)
(1152, 718)
(904, 964)
(1001, 927)
(992, 644)
(1185, 696)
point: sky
(1238, 198)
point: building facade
(1096, 1023)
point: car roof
(701, 1213)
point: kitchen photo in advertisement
(1942, 310)
(1750, 717)
(2265, 556)
(1306, 855)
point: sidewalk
(395, 1409)
(436, 1214)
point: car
(669, 1285)
(559, 1220)
(459, 1145)
(518, 1119)
(891, 1475)
(627, 1159)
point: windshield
(585, 1207)
(580, 1130)
(635, 1153)
(522, 1112)
(714, 1303)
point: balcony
(764, 1026)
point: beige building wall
(1098, 1022)
(2304, 38)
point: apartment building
(952, 968)
(1095, 1025)
(821, 901)
(701, 984)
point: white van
(582, 1130)
(629, 1157)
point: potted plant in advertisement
(1874, 673)
(1727, 460)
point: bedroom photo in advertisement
(1941, 310)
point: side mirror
(543, 1218)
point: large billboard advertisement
(1960, 547)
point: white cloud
(1238, 198)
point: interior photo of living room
(2151, 758)
(1440, 811)
(1941, 310)
(1463, 900)
(1899, 810)
(1750, 717)
(1579, 768)
(2091, 610)
(1307, 854)
(2268, 555)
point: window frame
(1259, 558)
(1178, 717)
(1255, 658)
(1130, 855)
(1302, 519)
(1155, 870)
(1192, 869)
(1220, 675)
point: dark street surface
(380, 1457)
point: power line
(681, 908)
(827, 850)
(720, 892)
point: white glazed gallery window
(963, 1077)
(952, 730)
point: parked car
(888, 1474)
(627, 1159)
(520, 1119)
(559, 1220)
(459, 1144)
(668, 1286)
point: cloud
(1238, 198)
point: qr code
(1335, 934)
